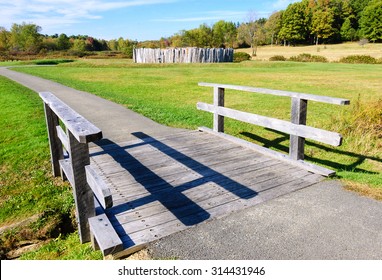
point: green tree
(63, 42)
(273, 26)
(25, 37)
(79, 45)
(371, 21)
(348, 33)
(224, 34)
(322, 23)
(4, 39)
(295, 23)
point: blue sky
(132, 19)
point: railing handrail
(305, 96)
(83, 130)
(297, 127)
(75, 167)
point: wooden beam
(105, 236)
(83, 130)
(99, 187)
(305, 96)
(320, 135)
(298, 116)
(56, 153)
(218, 101)
(63, 137)
(83, 195)
(265, 151)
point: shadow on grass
(353, 167)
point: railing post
(83, 195)
(298, 116)
(56, 152)
(218, 101)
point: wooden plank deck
(164, 185)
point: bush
(52, 61)
(306, 57)
(278, 58)
(363, 59)
(241, 56)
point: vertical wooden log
(56, 152)
(298, 116)
(83, 195)
(218, 101)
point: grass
(331, 52)
(26, 187)
(168, 94)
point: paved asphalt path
(323, 221)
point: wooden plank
(83, 195)
(56, 153)
(63, 137)
(229, 181)
(331, 138)
(156, 213)
(105, 236)
(218, 101)
(317, 98)
(298, 116)
(99, 187)
(83, 130)
(302, 164)
(66, 167)
(161, 230)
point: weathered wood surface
(299, 110)
(99, 187)
(183, 55)
(56, 153)
(165, 185)
(83, 130)
(320, 135)
(304, 96)
(104, 236)
(270, 153)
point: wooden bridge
(132, 193)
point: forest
(302, 23)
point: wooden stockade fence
(183, 55)
(132, 193)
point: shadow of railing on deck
(186, 211)
(353, 167)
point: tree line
(305, 22)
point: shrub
(306, 57)
(278, 58)
(241, 56)
(52, 61)
(364, 59)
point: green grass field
(168, 94)
(27, 188)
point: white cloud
(62, 12)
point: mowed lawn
(168, 94)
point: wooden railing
(70, 156)
(297, 127)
